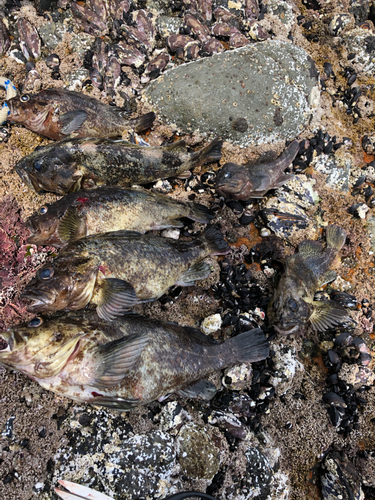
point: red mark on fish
(96, 394)
(103, 269)
(82, 200)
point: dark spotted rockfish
(293, 304)
(106, 209)
(131, 361)
(242, 182)
(60, 113)
(75, 164)
(116, 270)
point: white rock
(211, 324)
(171, 233)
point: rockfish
(116, 270)
(293, 305)
(76, 164)
(242, 182)
(60, 113)
(131, 361)
(93, 211)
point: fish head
(66, 285)
(43, 225)
(233, 182)
(49, 168)
(30, 110)
(57, 224)
(290, 311)
(40, 349)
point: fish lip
(288, 330)
(28, 180)
(38, 299)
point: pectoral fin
(283, 179)
(199, 271)
(114, 402)
(176, 147)
(327, 278)
(115, 297)
(115, 359)
(202, 389)
(72, 120)
(71, 225)
(327, 314)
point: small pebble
(211, 324)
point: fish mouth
(28, 180)
(288, 328)
(39, 300)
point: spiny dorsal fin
(310, 248)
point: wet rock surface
(293, 426)
(253, 95)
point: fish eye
(43, 210)
(38, 165)
(35, 322)
(3, 344)
(46, 273)
(292, 304)
(25, 98)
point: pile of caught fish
(108, 356)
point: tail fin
(335, 237)
(200, 213)
(143, 122)
(210, 153)
(249, 347)
(215, 240)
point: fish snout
(28, 180)
(40, 300)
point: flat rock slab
(260, 93)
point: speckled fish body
(242, 182)
(115, 270)
(104, 209)
(293, 305)
(131, 361)
(61, 113)
(85, 163)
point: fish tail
(143, 122)
(335, 237)
(210, 153)
(200, 213)
(216, 242)
(248, 347)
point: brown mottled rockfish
(104, 209)
(116, 270)
(242, 182)
(293, 305)
(76, 164)
(60, 113)
(131, 361)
